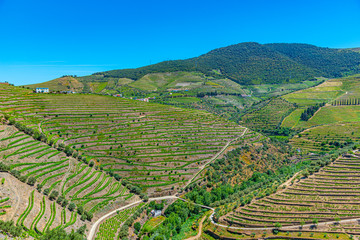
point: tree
(315, 221)
(83, 217)
(54, 194)
(137, 226)
(60, 200)
(80, 210)
(306, 173)
(39, 187)
(46, 191)
(65, 203)
(72, 206)
(88, 215)
(277, 225)
(302, 223)
(31, 181)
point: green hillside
(156, 147)
(329, 62)
(65, 83)
(254, 63)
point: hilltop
(244, 63)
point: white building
(42, 90)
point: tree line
(310, 111)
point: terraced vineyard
(40, 216)
(269, 117)
(327, 137)
(54, 172)
(4, 205)
(330, 195)
(154, 146)
(109, 229)
(324, 92)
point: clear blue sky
(44, 39)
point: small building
(67, 92)
(42, 90)
(155, 213)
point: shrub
(80, 210)
(46, 191)
(71, 206)
(31, 181)
(54, 194)
(137, 227)
(39, 187)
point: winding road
(96, 225)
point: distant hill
(244, 63)
(354, 49)
(60, 84)
(330, 62)
(254, 63)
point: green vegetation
(268, 117)
(150, 145)
(8, 227)
(280, 63)
(109, 229)
(310, 111)
(310, 200)
(4, 201)
(178, 216)
(325, 92)
(230, 177)
(327, 137)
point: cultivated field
(331, 195)
(269, 117)
(324, 92)
(82, 149)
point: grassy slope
(163, 81)
(60, 84)
(268, 117)
(324, 92)
(328, 123)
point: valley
(169, 151)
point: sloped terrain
(154, 146)
(269, 117)
(253, 63)
(330, 195)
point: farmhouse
(42, 90)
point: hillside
(253, 63)
(245, 63)
(332, 126)
(77, 157)
(354, 49)
(329, 62)
(318, 201)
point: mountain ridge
(250, 63)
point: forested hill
(330, 62)
(254, 63)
